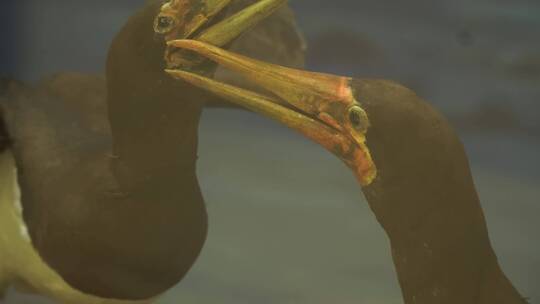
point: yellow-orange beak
(320, 106)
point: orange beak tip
(368, 177)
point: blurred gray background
(288, 223)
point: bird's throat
(156, 136)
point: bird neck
(155, 135)
(425, 199)
(154, 119)
(438, 236)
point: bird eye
(358, 119)
(163, 24)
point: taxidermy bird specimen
(409, 162)
(99, 200)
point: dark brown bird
(99, 199)
(410, 163)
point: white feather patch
(23, 230)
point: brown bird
(99, 200)
(410, 163)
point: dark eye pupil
(355, 118)
(164, 22)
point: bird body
(101, 202)
(76, 211)
(129, 212)
(410, 163)
(19, 261)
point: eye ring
(163, 24)
(358, 119)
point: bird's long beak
(194, 19)
(230, 28)
(321, 106)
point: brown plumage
(410, 163)
(106, 170)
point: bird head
(139, 52)
(138, 89)
(404, 154)
(398, 146)
(323, 107)
(208, 21)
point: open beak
(320, 106)
(199, 20)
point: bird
(99, 198)
(406, 157)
